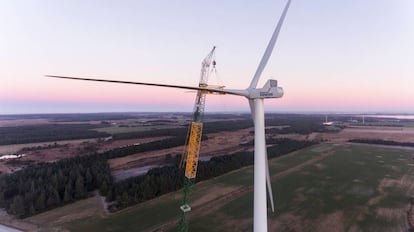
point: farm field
(217, 144)
(400, 134)
(337, 184)
(82, 209)
(322, 188)
(125, 127)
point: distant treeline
(44, 147)
(304, 125)
(47, 133)
(162, 180)
(382, 142)
(292, 120)
(180, 131)
(208, 127)
(76, 117)
(44, 186)
(91, 117)
(151, 146)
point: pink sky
(330, 56)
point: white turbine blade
(269, 49)
(212, 90)
(269, 184)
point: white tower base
(260, 209)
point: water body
(5, 157)
(205, 158)
(396, 116)
(4, 228)
(139, 171)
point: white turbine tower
(256, 98)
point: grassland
(51, 219)
(323, 188)
(127, 126)
(118, 130)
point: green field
(134, 126)
(118, 130)
(341, 188)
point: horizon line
(224, 112)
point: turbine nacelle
(269, 90)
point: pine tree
(40, 202)
(2, 198)
(61, 178)
(103, 190)
(68, 194)
(32, 210)
(17, 207)
(79, 187)
(89, 180)
(57, 197)
(50, 201)
(124, 199)
(110, 196)
(54, 181)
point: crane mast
(192, 149)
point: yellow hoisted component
(193, 150)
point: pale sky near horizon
(347, 56)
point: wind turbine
(256, 98)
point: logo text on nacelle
(266, 94)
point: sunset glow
(330, 56)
